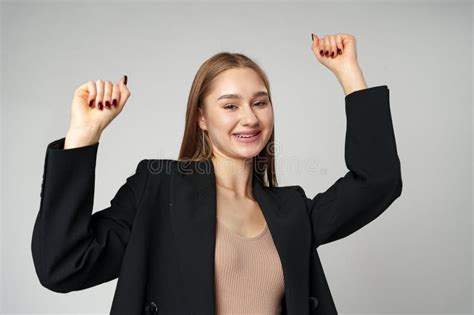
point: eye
(228, 106)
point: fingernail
(339, 51)
(114, 102)
(327, 53)
(312, 36)
(91, 103)
(321, 53)
(125, 80)
(100, 105)
(107, 103)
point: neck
(235, 176)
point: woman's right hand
(95, 104)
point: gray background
(415, 258)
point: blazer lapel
(193, 214)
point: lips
(247, 138)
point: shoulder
(285, 193)
(283, 189)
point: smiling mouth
(247, 138)
(242, 136)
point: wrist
(351, 79)
(83, 136)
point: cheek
(222, 128)
(267, 118)
(268, 123)
(225, 123)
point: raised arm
(374, 179)
(72, 248)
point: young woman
(211, 232)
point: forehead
(242, 81)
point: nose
(249, 118)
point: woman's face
(237, 103)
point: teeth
(240, 136)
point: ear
(201, 119)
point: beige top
(248, 273)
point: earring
(203, 142)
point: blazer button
(313, 302)
(151, 308)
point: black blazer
(158, 234)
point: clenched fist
(95, 104)
(336, 52)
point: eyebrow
(236, 96)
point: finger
(83, 92)
(87, 91)
(333, 48)
(339, 44)
(107, 93)
(316, 45)
(314, 41)
(327, 45)
(124, 92)
(347, 38)
(92, 93)
(100, 93)
(115, 95)
(321, 42)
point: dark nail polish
(327, 53)
(107, 103)
(321, 53)
(312, 37)
(332, 54)
(91, 103)
(100, 105)
(125, 80)
(114, 102)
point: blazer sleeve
(373, 181)
(72, 248)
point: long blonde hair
(196, 145)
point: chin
(248, 153)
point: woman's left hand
(341, 46)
